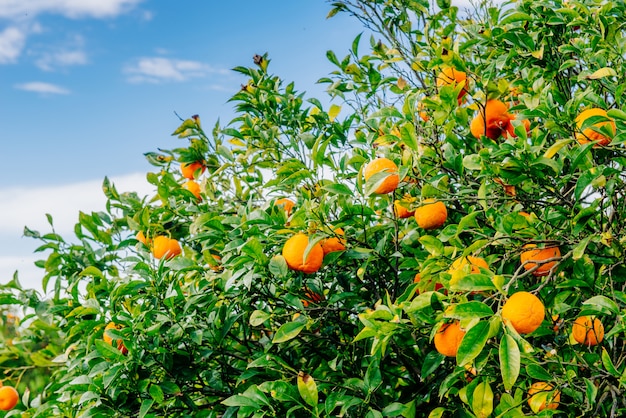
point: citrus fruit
(294, 249)
(286, 204)
(437, 287)
(450, 76)
(400, 208)
(537, 256)
(189, 170)
(8, 398)
(311, 297)
(524, 311)
(588, 330)
(431, 215)
(194, 188)
(163, 246)
(543, 396)
(141, 237)
(491, 121)
(109, 340)
(336, 243)
(448, 339)
(390, 183)
(590, 134)
(476, 264)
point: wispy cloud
(20, 9)
(50, 61)
(22, 207)
(12, 41)
(42, 88)
(160, 69)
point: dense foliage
(227, 329)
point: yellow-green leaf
(602, 72)
(509, 361)
(333, 112)
(307, 388)
(288, 331)
(482, 400)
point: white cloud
(12, 42)
(19, 9)
(28, 206)
(51, 60)
(42, 88)
(160, 69)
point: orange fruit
(333, 244)
(491, 121)
(163, 246)
(476, 264)
(194, 188)
(8, 398)
(423, 114)
(452, 77)
(189, 170)
(524, 311)
(543, 396)
(400, 210)
(109, 340)
(390, 183)
(218, 266)
(589, 134)
(141, 237)
(286, 204)
(448, 339)
(311, 297)
(438, 286)
(294, 249)
(530, 258)
(431, 215)
(588, 330)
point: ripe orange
(390, 183)
(491, 121)
(109, 340)
(476, 262)
(141, 237)
(532, 257)
(589, 134)
(189, 170)
(311, 297)
(400, 210)
(422, 113)
(294, 249)
(431, 215)
(452, 77)
(194, 188)
(524, 311)
(286, 204)
(163, 246)
(333, 244)
(448, 339)
(8, 398)
(588, 330)
(543, 396)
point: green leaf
(510, 361)
(432, 245)
(156, 393)
(337, 188)
(145, 407)
(579, 250)
(288, 331)
(468, 310)
(472, 282)
(307, 388)
(278, 266)
(602, 72)
(482, 400)
(258, 317)
(602, 304)
(538, 373)
(472, 343)
(608, 363)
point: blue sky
(88, 86)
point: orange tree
(527, 235)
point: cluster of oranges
(300, 256)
